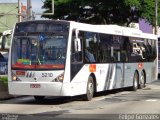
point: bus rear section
(111, 60)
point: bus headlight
(59, 78)
(15, 78)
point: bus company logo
(30, 74)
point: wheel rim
(90, 88)
(142, 79)
(135, 81)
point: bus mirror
(77, 44)
(3, 42)
(76, 33)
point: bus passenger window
(89, 57)
(91, 47)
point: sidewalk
(155, 85)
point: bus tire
(90, 89)
(39, 98)
(135, 81)
(142, 80)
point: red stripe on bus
(38, 66)
(23, 66)
(50, 66)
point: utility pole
(30, 15)
(53, 7)
(29, 10)
(19, 11)
(156, 16)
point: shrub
(4, 80)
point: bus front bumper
(35, 88)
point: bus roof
(112, 29)
(108, 29)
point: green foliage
(147, 10)
(121, 12)
(4, 80)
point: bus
(5, 39)
(67, 58)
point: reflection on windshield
(41, 51)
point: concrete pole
(156, 16)
(19, 11)
(29, 10)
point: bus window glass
(40, 50)
(40, 27)
(105, 48)
(91, 47)
(116, 44)
(33, 51)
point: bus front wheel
(90, 89)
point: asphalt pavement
(113, 106)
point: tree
(121, 12)
(148, 11)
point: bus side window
(105, 48)
(127, 49)
(91, 47)
(89, 57)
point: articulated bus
(67, 58)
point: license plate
(35, 85)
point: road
(113, 105)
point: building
(8, 16)
(145, 26)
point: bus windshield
(39, 51)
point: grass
(4, 80)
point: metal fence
(3, 68)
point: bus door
(76, 55)
(126, 51)
(118, 57)
(119, 76)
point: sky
(36, 5)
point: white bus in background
(66, 58)
(5, 40)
